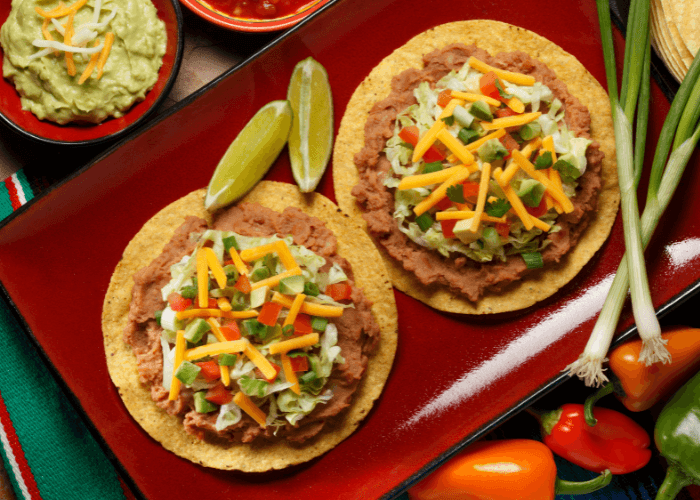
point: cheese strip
(469, 97)
(440, 192)
(202, 279)
(510, 121)
(215, 313)
(294, 309)
(513, 166)
(289, 373)
(238, 262)
(224, 304)
(548, 145)
(259, 360)
(90, 66)
(255, 253)
(216, 329)
(216, 269)
(61, 10)
(427, 140)
(510, 172)
(456, 146)
(109, 40)
(422, 180)
(311, 308)
(70, 64)
(226, 347)
(247, 405)
(497, 134)
(285, 255)
(294, 343)
(557, 193)
(515, 201)
(515, 104)
(481, 199)
(466, 214)
(273, 281)
(509, 76)
(180, 346)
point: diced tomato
(509, 143)
(230, 331)
(444, 204)
(219, 394)
(277, 368)
(411, 135)
(448, 227)
(339, 291)
(503, 229)
(269, 313)
(228, 262)
(210, 369)
(444, 98)
(243, 284)
(302, 324)
(539, 210)
(178, 302)
(470, 189)
(505, 112)
(487, 85)
(299, 363)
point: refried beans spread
(525, 220)
(329, 351)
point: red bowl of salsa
(254, 15)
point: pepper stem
(562, 487)
(673, 483)
(593, 399)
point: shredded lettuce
(297, 406)
(229, 414)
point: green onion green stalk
(680, 130)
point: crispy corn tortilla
(494, 37)
(370, 275)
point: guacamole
(105, 79)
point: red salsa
(259, 9)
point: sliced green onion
(424, 221)
(533, 260)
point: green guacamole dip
(44, 84)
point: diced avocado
(543, 161)
(211, 338)
(292, 285)
(531, 192)
(227, 359)
(463, 117)
(481, 110)
(424, 221)
(311, 289)
(491, 238)
(530, 131)
(463, 231)
(318, 323)
(230, 241)
(201, 405)
(492, 150)
(260, 271)
(169, 321)
(187, 372)
(259, 296)
(196, 330)
(567, 165)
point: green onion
(666, 172)
(424, 221)
(533, 260)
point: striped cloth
(15, 191)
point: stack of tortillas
(675, 30)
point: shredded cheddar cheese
(289, 373)
(556, 192)
(311, 308)
(511, 121)
(225, 347)
(247, 405)
(440, 192)
(481, 199)
(466, 214)
(422, 180)
(508, 76)
(180, 346)
(427, 140)
(295, 343)
(469, 97)
(294, 310)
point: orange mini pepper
(495, 469)
(638, 386)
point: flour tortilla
(370, 275)
(494, 37)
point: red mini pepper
(639, 386)
(495, 470)
(616, 442)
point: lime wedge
(250, 155)
(311, 138)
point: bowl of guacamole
(83, 71)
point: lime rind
(311, 137)
(250, 155)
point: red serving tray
(454, 377)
